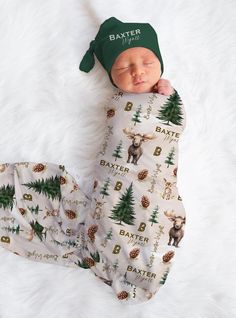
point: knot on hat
(88, 60)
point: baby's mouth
(139, 82)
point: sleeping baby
(130, 228)
(136, 221)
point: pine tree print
(123, 211)
(171, 110)
(38, 229)
(136, 115)
(153, 217)
(72, 243)
(115, 265)
(117, 151)
(34, 210)
(170, 157)
(49, 187)
(164, 277)
(105, 188)
(107, 237)
(6, 196)
(13, 229)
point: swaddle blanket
(137, 217)
(128, 232)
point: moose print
(176, 233)
(135, 150)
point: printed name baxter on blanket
(136, 221)
(129, 231)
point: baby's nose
(137, 70)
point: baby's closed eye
(148, 63)
(122, 67)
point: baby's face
(136, 70)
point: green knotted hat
(115, 37)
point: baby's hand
(163, 87)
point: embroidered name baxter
(122, 35)
(136, 223)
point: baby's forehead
(135, 52)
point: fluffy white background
(50, 111)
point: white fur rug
(50, 111)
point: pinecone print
(89, 262)
(91, 231)
(110, 112)
(142, 174)
(123, 295)
(22, 211)
(62, 180)
(175, 171)
(145, 201)
(70, 214)
(134, 253)
(39, 167)
(168, 256)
